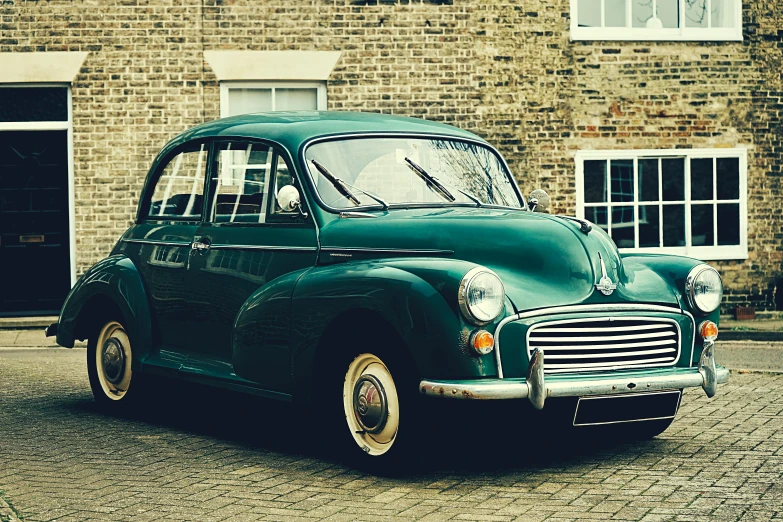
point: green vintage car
(366, 264)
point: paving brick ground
(196, 459)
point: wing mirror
(538, 201)
(288, 199)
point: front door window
(241, 179)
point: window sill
(642, 35)
(704, 253)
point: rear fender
(117, 280)
(261, 337)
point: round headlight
(481, 296)
(704, 288)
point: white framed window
(690, 202)
(704, 20)
(249, 97)
(31, 107)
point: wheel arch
(111, 287)
(96, 311)
(362, 303)
(359, 322)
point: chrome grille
(605, 343)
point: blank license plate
(610, 409)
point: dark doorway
(35, 271)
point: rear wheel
(109, 361)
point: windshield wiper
(431, 182)
(342, 187)
(373, 196)
(339, 184)
(468, 195)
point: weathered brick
(505, 70)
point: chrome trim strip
(693, 335)
(360, 250)
(581, 308)
(356, 215)
(614, 329)
(655, 335)
(157, 243)
(501, 389)
(601, 366)
(647, 363)
(577, 348)
(271, 248)
(607, 355)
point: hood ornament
(604, 285)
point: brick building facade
(514, 72)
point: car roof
(293, 128)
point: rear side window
(179, 192)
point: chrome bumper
(537, 389)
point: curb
(26, 323)
(750, 335)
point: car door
(246, 243)
(160, 244)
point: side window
(179, 192)
(241, 177)
(283, 176)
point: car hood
(542, 260)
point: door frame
(55, 125)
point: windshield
(408, 171)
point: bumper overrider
(537, 389)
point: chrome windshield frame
(364, 208)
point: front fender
(430, 326)
(117, 279)
(669, 272)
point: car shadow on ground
(454, 437)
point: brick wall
(505, 70)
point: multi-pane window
(179, 191)
(656, 20)
(688, 202)
(251, 97)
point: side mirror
(538, 201)
(288, 199)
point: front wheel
(109, 360)
(374, 427)
(371, 404)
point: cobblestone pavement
(197, 459)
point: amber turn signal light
(482, 341)
(708, 331)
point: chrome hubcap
(369, 404)
(113, 360)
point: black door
(35, 271)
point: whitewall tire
(109, 361)
(371, 404)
